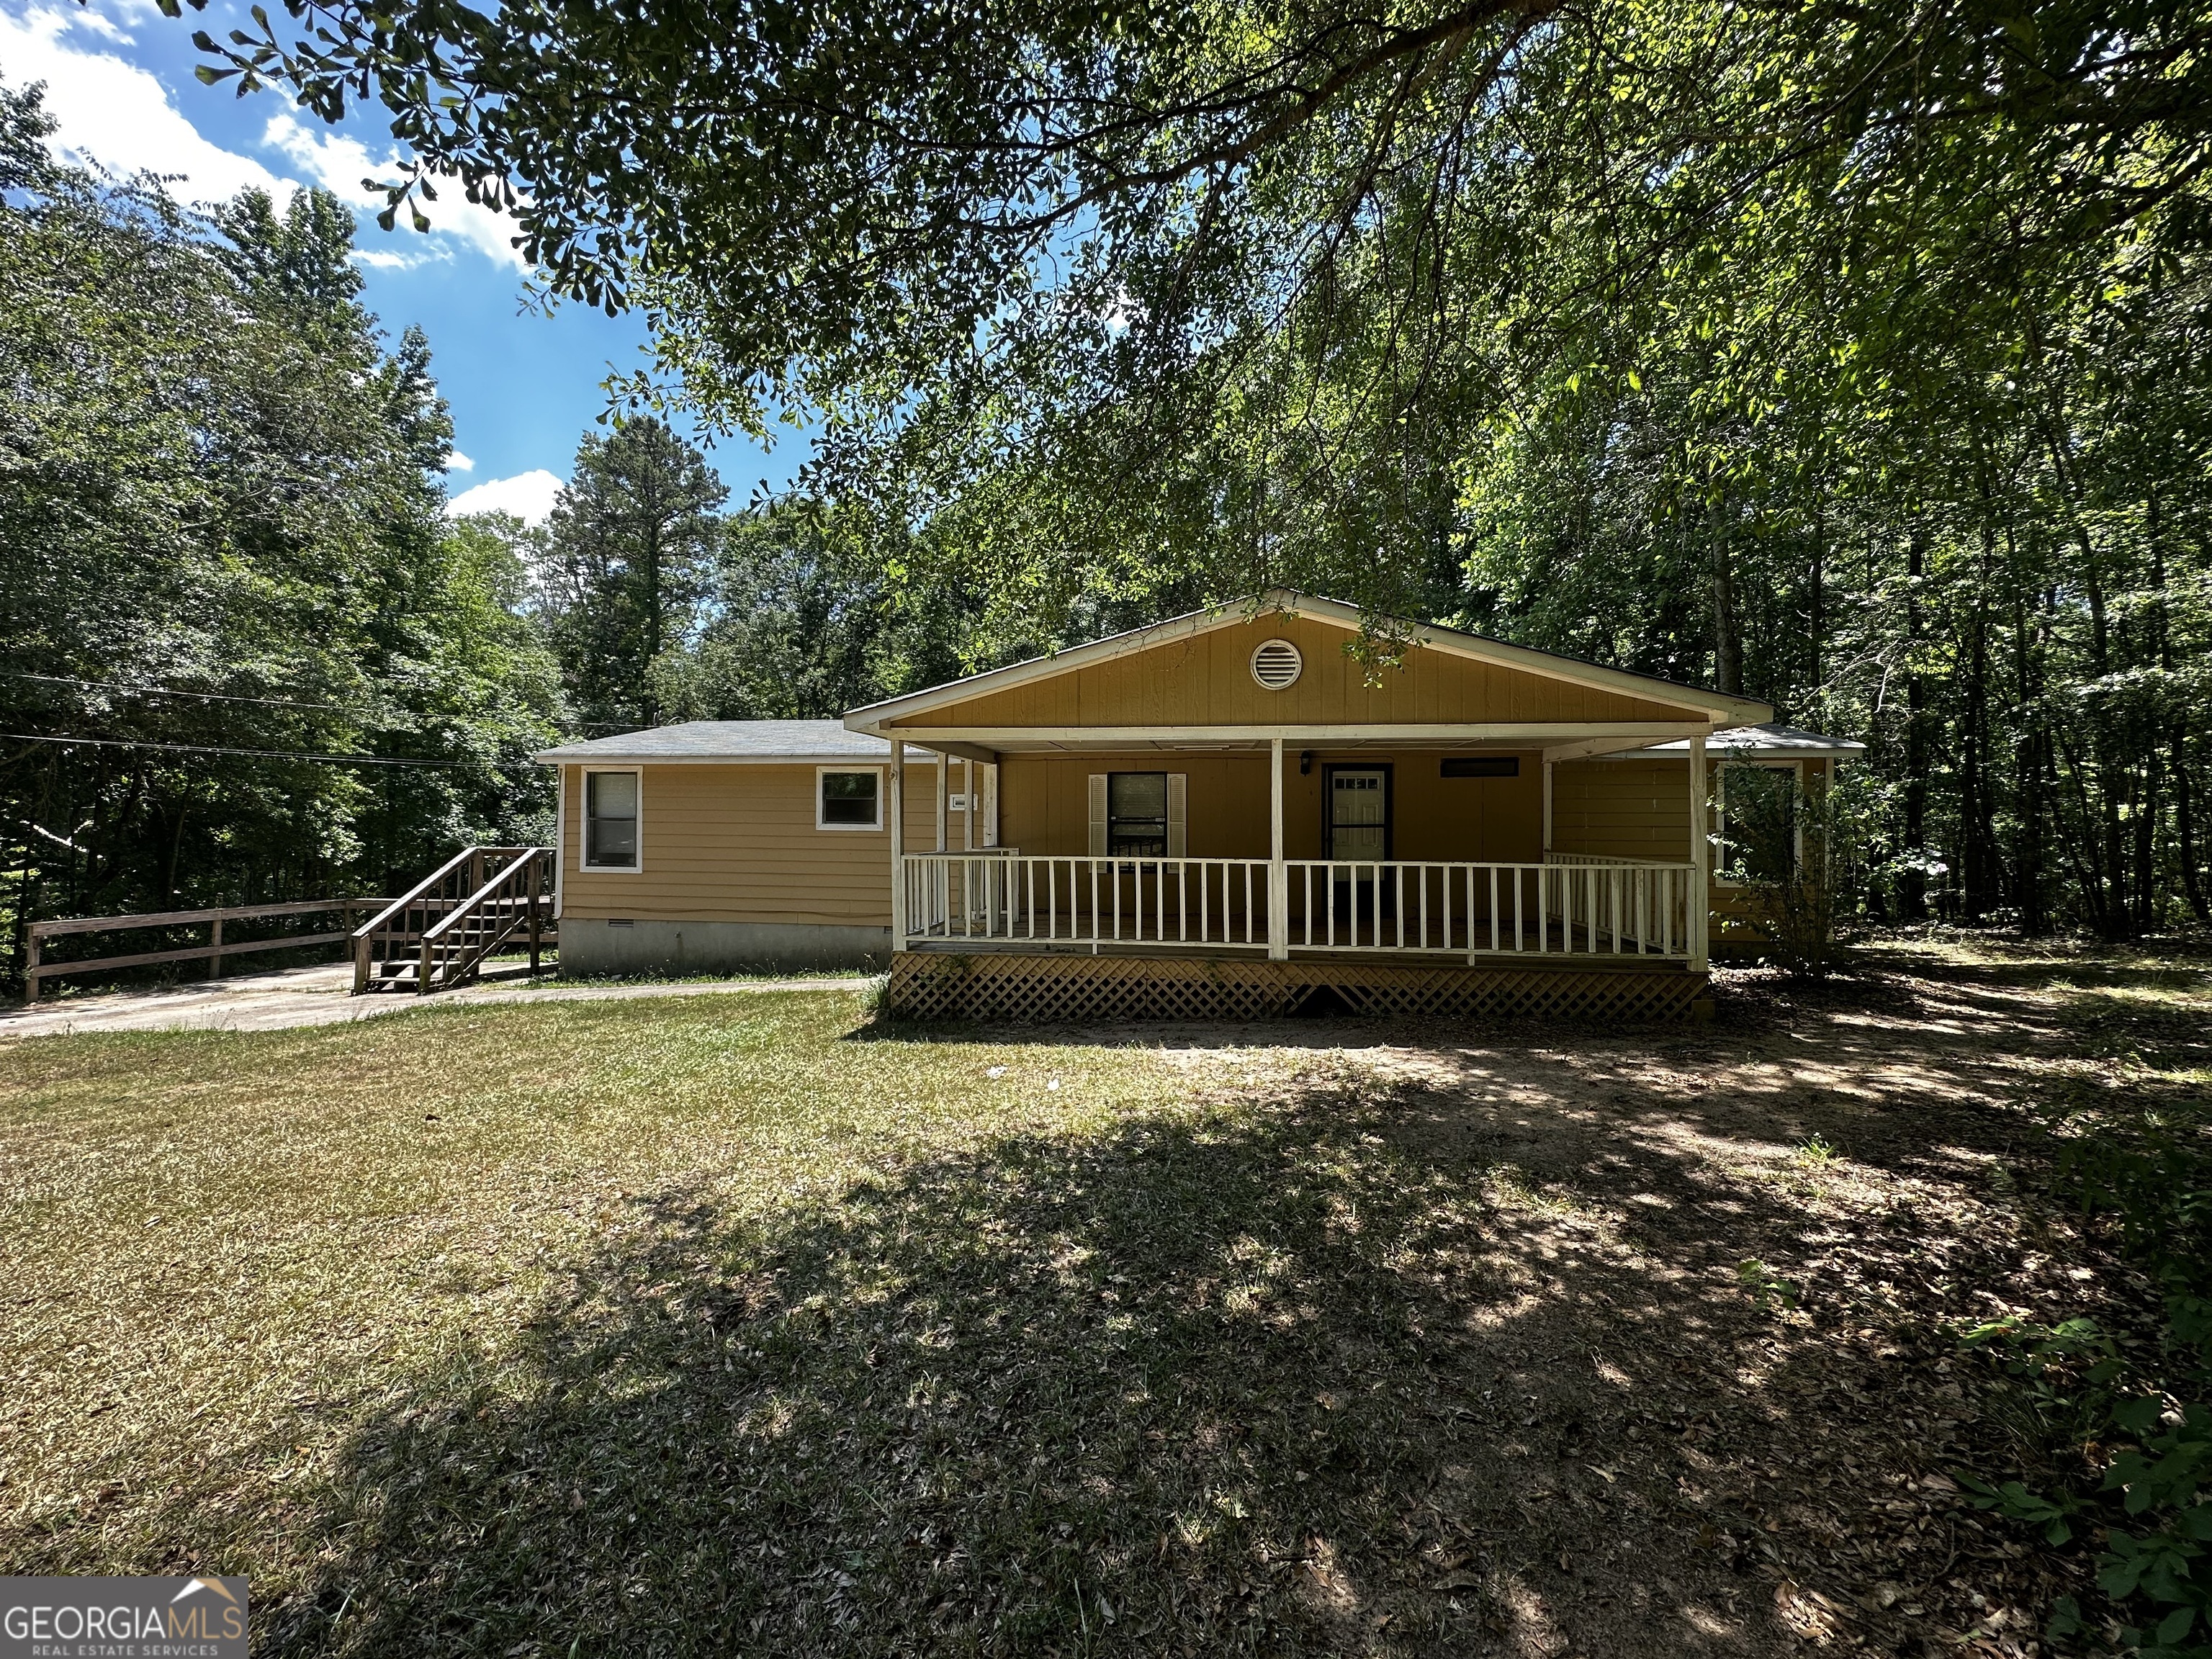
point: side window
(611, 820)
(848, 800)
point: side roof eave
(874, 717)
(1785, 741)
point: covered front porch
(1416, 847)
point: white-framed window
(1140, 814)
(848, 797)
(613, 819)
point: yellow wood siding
(738, 843)
(1625, 809)
(1044, 804)
(1208, 681)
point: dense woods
(243, 657)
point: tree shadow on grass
(1372, 1368)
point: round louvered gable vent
(1277, 664)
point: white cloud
(99, 24)
(340, 163)
(528, 496)
(113, 111)
(457, 462)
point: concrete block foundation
(592, 947)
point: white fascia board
(1597, 747)
(1015, 739)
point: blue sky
(524, 386)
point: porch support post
(943, 766)
(968, 798)
(1279, 875)
(1547, 812)
(897, 804)
(1701, 890)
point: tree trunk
(2184, 823)
(2028, 789)
(1912, 882)
(1816, 605)
(176, 850)
(1977, 817)
(1728, 636)
(648, 704)
(2176, 766)
(2143, 819)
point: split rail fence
(37, 970)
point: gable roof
(1711, 705)
(727, 740)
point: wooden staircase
(437, 936)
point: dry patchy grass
(685, 1327)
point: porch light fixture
(1305, 762)
(1276, 665)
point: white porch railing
(1002, 894)
(1600, 908)
(1568, 905)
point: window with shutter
(1136, 814)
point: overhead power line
(210, 748)
(165, 691)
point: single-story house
(1224, 813)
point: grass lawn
(707, 1325)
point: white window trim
(584, 823)
(875, 829)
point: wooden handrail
(461, 911)
(440, 908)
(180, 918)
(414, 895)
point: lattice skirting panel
(1053, 989)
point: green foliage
(221, 530)
(1816, 1153)
(1768, 1289)
(805, 618)
(2092, 1392)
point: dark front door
(1358, 830)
